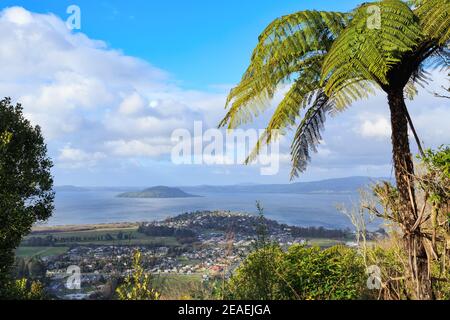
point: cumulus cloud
(75, 158)
(377, 128)
(97, 105)
(143, 148)
(84, 93)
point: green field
(324, 243)
(91, 237)
(177, 286)
(29, 252)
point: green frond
(308, 135)
(287, 48)
(298, 97)
(367, 52)
(434, 17)
(352, 90)
(411, 90)
(330, 60)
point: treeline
(248, 225)
(319, 232)
(50, 241)
(183, 235)
(30, 268)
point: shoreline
(85, 227)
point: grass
(162, 241)
(324, 243)
(29, 252)
(89, 237)
(178, 286)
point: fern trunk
(404, 172)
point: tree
(24, 289)
(432, 181)
(301, 273)
(331, 59)
(26, 194)
(138, 285)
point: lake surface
(91, 207)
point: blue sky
(199, 42)
(109, 96)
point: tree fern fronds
(440, 59)
(434, 17)
(255, 93)
(308, 134)
(299, 96)
(365, 52)
(330, 60)
(286, 48)
(410, 90)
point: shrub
(301, 273)
(137, 286)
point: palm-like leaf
(363, 52)
(434, 17)
(288, 48)
(332, 59)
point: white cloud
(75, 158)
(138, 148)
(95, 103)
(377, 128)
(18, 16)
(83, 93)
(132, 105)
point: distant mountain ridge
(70, 189)
(340, 185)
(157, 193)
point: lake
(100, 206)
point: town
(201, 246)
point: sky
(109, 95)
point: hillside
(158, 193)
(341, 185)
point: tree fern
(287, 49)
(338, 58)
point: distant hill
(341, 185)
(158, 193)
(69, 189)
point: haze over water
(101, 206)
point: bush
(23, 289)
(301, 273)
(137, 286)
(26, 195)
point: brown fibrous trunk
(408, 213)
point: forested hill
(157, 192)
(342, 185)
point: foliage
(391, 260)
(437, 179)
(5, 138)
(138, 285)
(24, 289)
(25, 182)
(29, 268)
(433, 187)
(328, 60)
(389, 256)
(256, 278)
(300, 273)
